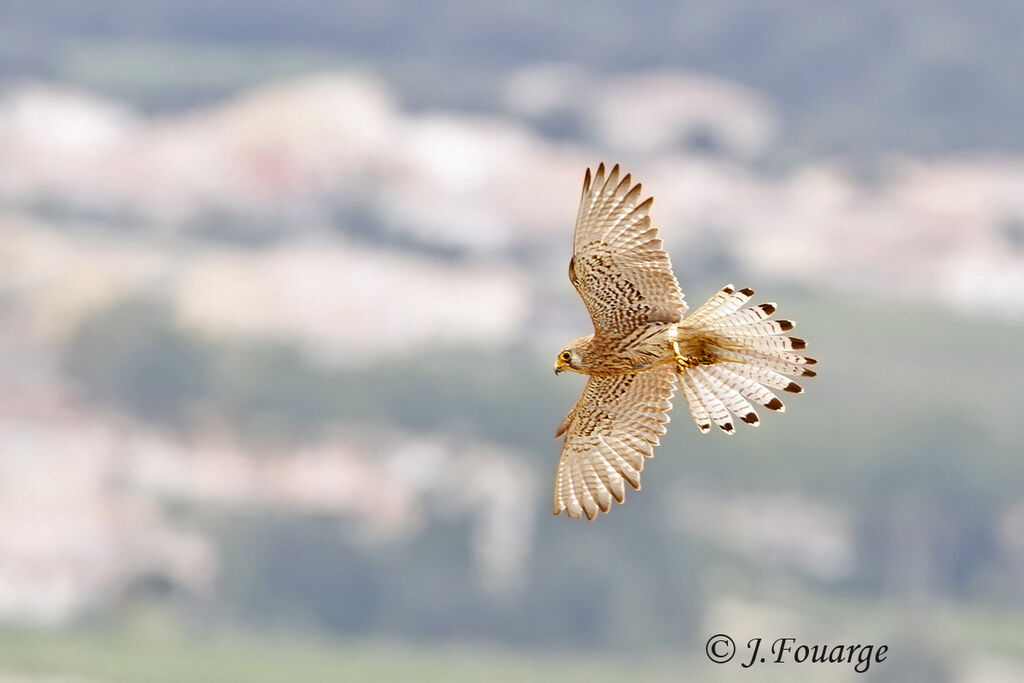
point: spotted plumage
(723, 357)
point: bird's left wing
(613, 427)
(619, 267)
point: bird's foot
(685, 361)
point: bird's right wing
(613, 427)
(619, 266)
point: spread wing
(613, 427)
(619, 266)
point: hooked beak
(560, 365)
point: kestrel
(722, 357)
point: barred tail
(745, 358)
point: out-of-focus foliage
(853, 79)
(132, 356)
(929, 479)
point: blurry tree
(134, 356)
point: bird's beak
(559, 366)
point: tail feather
(730, 396)
(756, 329)
(748, 386)
(765, 343)
(729, 305)
(714, 405)
(762, 375)
(779, 361)
(752, 355)
(697, 409)
(712, 305)
(748, 315)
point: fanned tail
(745, 356)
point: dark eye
(566, 356)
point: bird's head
(571, 357)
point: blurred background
(281, 285)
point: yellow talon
(683, 363)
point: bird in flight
(723, 357)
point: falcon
(724, 357)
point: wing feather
(619, 265)
(612, 429)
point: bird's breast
(642, 348)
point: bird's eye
(566, 356)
